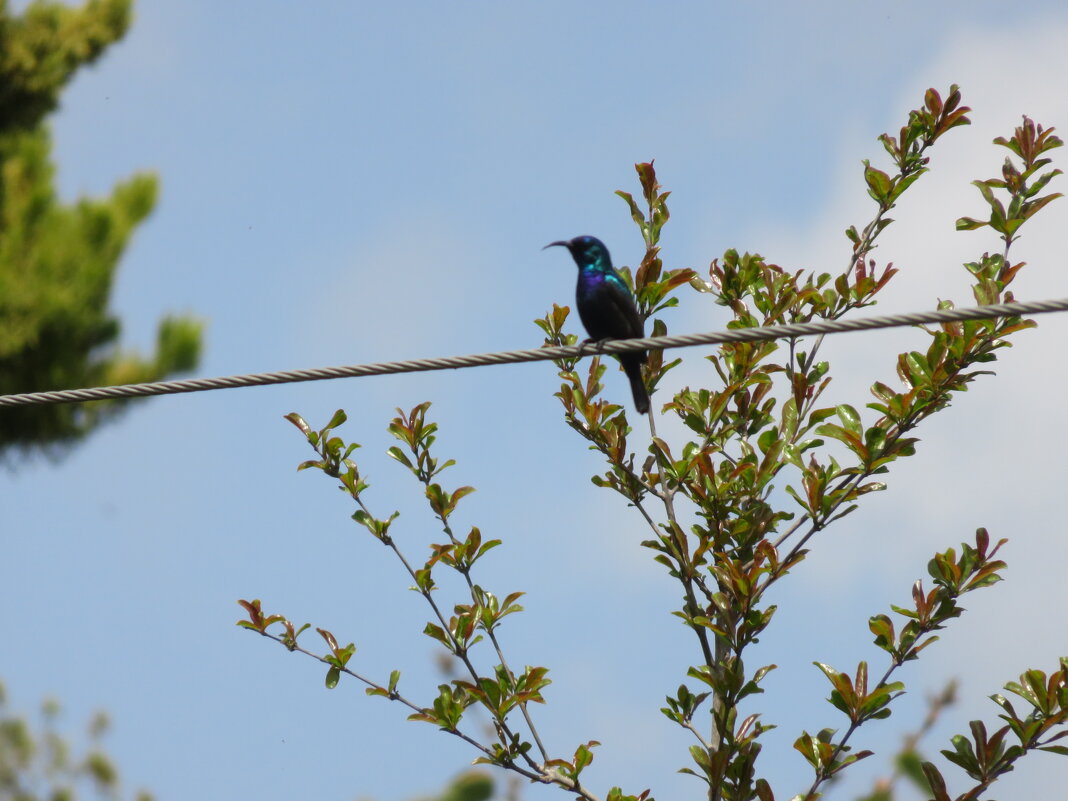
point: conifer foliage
(58, 261)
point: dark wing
(607, 310)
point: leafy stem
(976, 568)
(418, 436)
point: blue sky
(344, 183)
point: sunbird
(606, 307)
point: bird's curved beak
(560, 243)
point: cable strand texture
(537, 354)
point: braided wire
(544, 353)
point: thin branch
(685, 573)
(458, 651)
(538, 774)
(822, 775)
(466, 572)
(704, 743)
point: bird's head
(585, 250)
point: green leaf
(850, 439)
(435, 632)
(850, 418)
(963, 755)
(819, 415)
(396, 453)
(332, 677)
(635, 212)
(904, 183)
(299, 422)
(970, 223)
(878, 183)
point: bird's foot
(597, 346)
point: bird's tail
(633, 368)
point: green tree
(41, 764)
(57, 262)
(472, 785)
(715, 519)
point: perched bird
(606, 307)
